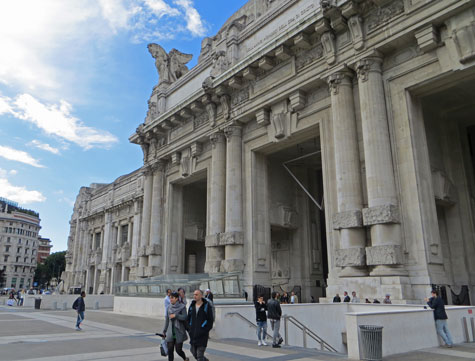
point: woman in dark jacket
(175, 330)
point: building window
(18, 259)
(14, 282)
(19, 240)
(5, 258)
(22, 280)
(18, 250)
(7, 248)
(8, 239)
(26, 259)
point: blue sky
(75, 77)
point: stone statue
(170, 66)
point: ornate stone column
(233, 238)
(351, 255)
(217, 202)
(135, 241)
(382, 214)
(146, 216)
(154, 249)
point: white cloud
(56, 119)
(4, 105)
(50, 42)
(193, 19)
(18, 156)
(19, 194)
(44, 146)
(13, 172)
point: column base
(353, 271)
(232, 265)
(212, 266)
(385, 270)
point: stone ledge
(212, 240)
(232, 265)
(387, 213)
(212, 266)
(231, 238)
(384, 255)
(347, 219)
(350, 257)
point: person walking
(200, 322)
(175, 330)
(346, 297)
(182, 294)
(437, 304)
(336, 298)
(274, 313)
(166, 301)
(80, 306)
(261, 320)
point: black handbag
(163, 348)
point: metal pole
(286, 329)
(296, 179)
(305, 337)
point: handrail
(305, 332)
(248, 321)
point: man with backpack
(274, 313)
(200, 322)
(80, 306)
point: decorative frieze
(381, 15)
(347, 219)
(350, 257)
(308, 57)
(384, 255)
(240, 97)
(387, 213)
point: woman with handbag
(175, 330)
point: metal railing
(306, 332)
(250, 323)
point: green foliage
(53, 266)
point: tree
(53, 266)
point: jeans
(261, 330)
(443, 331)
(179, 350)
(275, 324)
(80, 318)
(198, 352)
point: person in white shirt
(355, 299)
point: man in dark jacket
(80, 306)
(346, 297)
(200, 321)
(336, 298)
(440, 316)
(274, 313)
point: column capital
(147, 170)
(233, 131)
(343, 77)
(216, 138)
(159, 165)
(369, 64)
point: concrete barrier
(50, 302)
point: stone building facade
(317, 146)
(18, 245)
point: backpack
(76, 304)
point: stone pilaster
(382, 212)
(233, 239)
(217, 202)
(146, 216)
(348, 220)
(154, 249)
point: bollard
(472, 321)
(96, 305)
(65, 306)
(55, 305)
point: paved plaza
(27, 334)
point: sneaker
(259, 343)
(264, 343)
(449, 346)
(281, 340)
(78, 328)
(276, 346)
